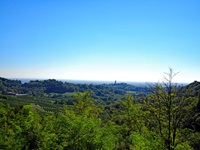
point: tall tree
(168, 110)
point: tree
(166, 111)
(79, 126)
(128, 120)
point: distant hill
(105, 92)
(192, 89)
(55, 89)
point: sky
(104, 40)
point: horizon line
(85, 80)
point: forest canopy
(164, 116)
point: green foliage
(167, 113)
(59, 90)
(79, 127)
(146, 141)
(165, 117)
(128, 121)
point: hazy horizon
(141, 83)
(135, 41)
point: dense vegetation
(63, 93)
(164, 116)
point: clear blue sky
(122, 40)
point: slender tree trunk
(169, 129)
(174, 136)
(169, 111)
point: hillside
(55, 89)
(192, 89)
(98, 114)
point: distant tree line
(166, 118)
(51, 87)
